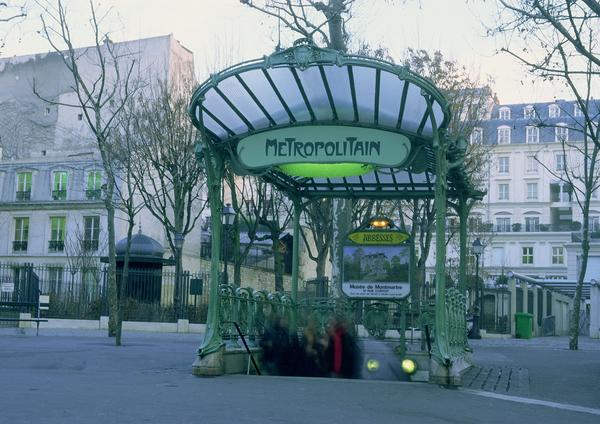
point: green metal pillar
(463, 216)
(210, 359)
(295, 261)
(442, 350)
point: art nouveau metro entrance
(317, 123)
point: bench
(43, 304)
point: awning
(309, 86)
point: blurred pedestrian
(312, 358)
(343, 356)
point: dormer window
(577, 111)
(561, 133)
(553, 111)
(529, 112)
(477, 136)
(504, 113)
(504, 135)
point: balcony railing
(534, 228)
(19, 246)
(56, 245)
(59, 194)
(24, 195)
(90, 245)
(93, 194)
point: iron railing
(19, 246)
(82, 293)
(23, 195)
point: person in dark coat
(312, 357)
(277, 347)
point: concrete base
(450, 376)
(25, 324)
(237, 361)
(211, 365)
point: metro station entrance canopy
(319, 123)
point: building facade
(530, 221)
(51, 175)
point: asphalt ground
(81, 377)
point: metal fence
(82, 293)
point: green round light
(409, 366)
(325, 170)
(372, 365)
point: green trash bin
(524, 325)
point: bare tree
(101, 93)
(169, 178)
(562, 40)
(126, 190)
(318, 222)
(10, 12)
(469, 99)
(275, 215)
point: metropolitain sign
(326, 144)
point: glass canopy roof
(306, 85)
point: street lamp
(477, 249)
(178, 244)
(228, 215)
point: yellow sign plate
(378, 237)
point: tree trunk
(321, 263)
(336, 25)
(113, 303)
(585, 248)
(278, 263)
(124, 281)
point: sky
(224, 32)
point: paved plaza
(81, 377)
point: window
(560, 162)
(94, 185)
(47, 111)
(503, 225)
(21, 235)
(529, 112)
(577, 110)
(594, 223)
(527, 256)
(553, 111)
(23, 185)
(532, 191)
(560, 192)
(504, 113)
(532, 135)
(475, 223)
(502, 191)
(57, 234)
(80, 116)
(532, 224)
(91, 232)
(532, 164)
(477, 136)
(558, 256)
(55, 279)
(59, 185)
(503, 135)
(561, 133)
(503, 163)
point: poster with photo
(376, 271)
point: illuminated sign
(378, 237)
(324, 144)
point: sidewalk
(81, 377)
